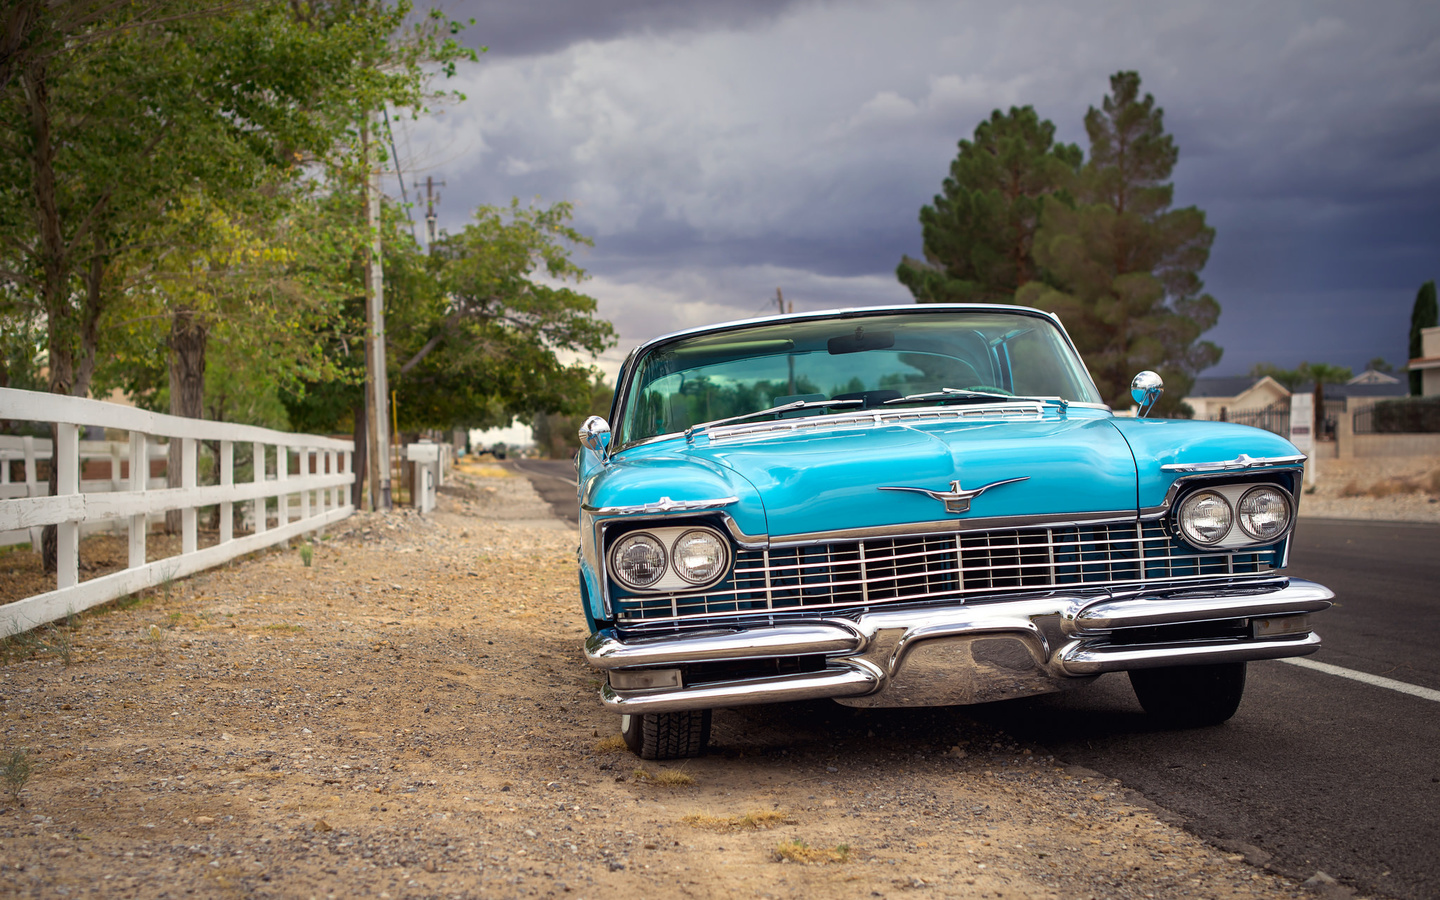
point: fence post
(189, 540)
(116, 481)
(282, 475)
(139, 481)
(260, 503)
(227, 479)
(304, 455)
(32, 489)
(65, 456)
(345, 496)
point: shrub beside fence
(1406, 415)
(321, 488)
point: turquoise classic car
(919, 506)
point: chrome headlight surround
(1232, 494)
(627, 559)
(676, 576)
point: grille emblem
(957, 499)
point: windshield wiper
(774, 410)
(951, 394)
(967, 394)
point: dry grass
(1426, 483)
(612, 744)
(750, 821)
(665, 777)
(800, 852)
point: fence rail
(321, 484)
(1273, 418)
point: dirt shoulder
(412, 717)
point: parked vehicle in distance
(919, 506)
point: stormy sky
(718, 149)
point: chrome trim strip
(606, 650)
(1243, 461)
(954, 526)
(1184, 481)
(1139, 610)
(1080, 658)
(845, 679)
(661, 506)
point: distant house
(1428, 363)
(1216, 397)
(1371, 376)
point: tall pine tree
(1423, 315)
(1122, 266)
(978, 233)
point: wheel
(1190, 696)
(674, 735)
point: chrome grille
(888, 570)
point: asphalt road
(1316, 771)
(553, 480)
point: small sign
(1302, 421)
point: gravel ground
(412, 717)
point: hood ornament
(957, 499)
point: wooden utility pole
(432, 227)
(377, 389)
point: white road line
(1367, 678)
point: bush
(1411, 415)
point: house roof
(1222, 386)
(1357, 390)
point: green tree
(1124, 265)
(478, 332)
(1423, 315)
(978, 234)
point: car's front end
(913, 543)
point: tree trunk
(187, 389)
(358, 462)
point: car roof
(845, 313)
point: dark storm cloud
(716, 150)
(533, 27)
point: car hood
(827, 480)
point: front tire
(673, 735)
(1190, 696)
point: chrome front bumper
(971, 652)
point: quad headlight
(699, 555)
(1205, 518)
(669, 558)
(1264, 513)
(637, 560)
(1232, 516)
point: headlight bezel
(1232, 489)
(668, 534)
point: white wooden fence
(322, 487)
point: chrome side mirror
(1146, 388)
(595, 436)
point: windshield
(875, 359)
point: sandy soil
(411, 717)
(1391, 489)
